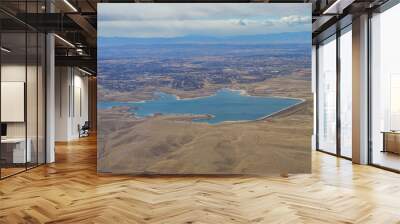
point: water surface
(225, 105)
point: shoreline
(241, 91)
(262, 118)
(282, 110)
(223, 122)
(244, 92)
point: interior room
(24, 67)
(385, 111)
(71, 96)
(22, 103)
(71, 103)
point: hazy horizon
(158, 20)
(277, 38)
(209, 36)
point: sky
(214, 19)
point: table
(19, 155)
(391, 141)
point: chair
(84, 130)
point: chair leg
(284, 174)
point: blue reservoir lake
(225, 105)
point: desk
(19, 155)
(391, 141)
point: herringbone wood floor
(70, 191)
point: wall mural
(204, 88)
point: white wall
(33, 126)
(17, 73)
(12, 73)
(80, 109)
(62, 82)
(71, 102)
(13, 101)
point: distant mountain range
(276, 38)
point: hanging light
(70, 5)
(5, 50)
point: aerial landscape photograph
(221, 88)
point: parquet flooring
(70, 191)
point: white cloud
(295, 19)
(283, 21)
(242, 22)
(150, 20)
